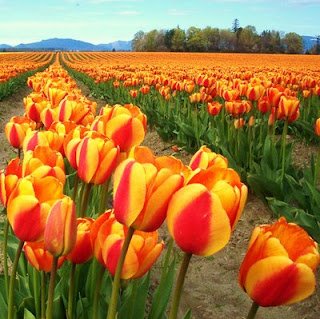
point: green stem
(71, 290)
(316, 170)
(253, 310)
(5, 254)
(179, 286)
(36, 294)
(85, 199)
(75, 187)
(112, 310)
(51, 287)
(283, 149)
(104, 197)
(43, 295)
(97, 289)
(13, 281)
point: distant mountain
(70, 45)
(308, 42)
(5, 46)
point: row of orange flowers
(202, 201)
(13, 64)
(213, 73)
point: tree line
(209, 39)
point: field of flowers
(16, 67)
(84, 200)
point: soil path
(211, 287)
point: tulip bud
(60, 232)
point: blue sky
(103, 21)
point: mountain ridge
(68, 44)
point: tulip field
(16, 67)
(97, 224)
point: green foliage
(11, 86)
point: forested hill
(224, 40)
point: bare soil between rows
(211, 287)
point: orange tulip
(255, 92)
(125, 125)
(226, 184)
(29, 205)
(43, 161)
(56, 95)
(82, 250)
(108, 236)
(94, 157)
(204, 158)
(214, 108)
(34, 104)
(17, 128)
(274, 95)
(133, 93)
(39, 257)
(142, 193)
(317, 127)
(288, 108)
(279, 266)
(9, 179)
(61, 228)
(197, 221)
(238, 107)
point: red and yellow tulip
(197, 221)
(142, 193)
(61, 228)
(278, 268)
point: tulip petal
(197, 221)
(87, 159)
(27, 218)
(130, 191)
(277, 280)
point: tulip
(214, 108)
(274, 95)
(29, 204)
(255, 92)
(48, 116)
(56, 95)
(82, 250)
(39, 257)
(278, 268)
(204, 158)
(60, 231)
(197, 221)
(9, 179)
(17, 128)
(238, 123)
(226, 184)
(34, 104)
(44, 161)
(93, 157)
(142, 194)
(238, 107)
(108, 238)
(317, 127)
(230, 95)
(288, 108)
(199, 225)
(133, 93)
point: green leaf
(161, 296)
(187, 314)
(28, 315)
(135, 298)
